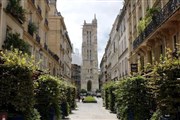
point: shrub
(16, 10)
(167, 86)
(48, 96)
(89, 99)
(109, 95)
(133, 98)
(55, 97)
(17, 90)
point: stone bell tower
(89, 70)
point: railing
(39, 10)
(157, 20)
(46, 21)
(38, 38)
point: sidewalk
(91, 111)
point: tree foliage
(133, 98)
(16, 10)
(16, 89)
(167, 85)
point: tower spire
(94, 16)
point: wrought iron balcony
(38, 38)
(157, 20)
(39, 10)
(46, 22)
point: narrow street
(91, 111)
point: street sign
(134, 68)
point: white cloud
(76, 11)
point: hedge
(32, 97)
(16, 89)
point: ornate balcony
(157, 19)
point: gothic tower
(89, 70)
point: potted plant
(32, 28)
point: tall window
(90, 37)
(90, 55)
(174, 41)
(45, 36)
(114, 47)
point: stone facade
(76, 76)
(89, 71)
(59, 41)
(138, 45)
(38, 13)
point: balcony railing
(39, 10)
(38, 38)
(157, 20)
(46, 21)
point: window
(90, 55)
(87, 54)
(90, 37)
(174, 41)
(125, 46)
(114, 47)
(45, 35)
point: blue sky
(76, 11)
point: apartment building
(103, 72)
(145, 28)
(59, 41)
(76, 76)
(115, 64)
(161, 31)
(123, 50)
(32, 25)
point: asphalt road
(91, 111)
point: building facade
(59, 41)
(76, 76)
(149, 43)
(32, 24)
(89, 71)
(144, 30)
(115, 64)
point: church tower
(89, 69)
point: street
(91, 111)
